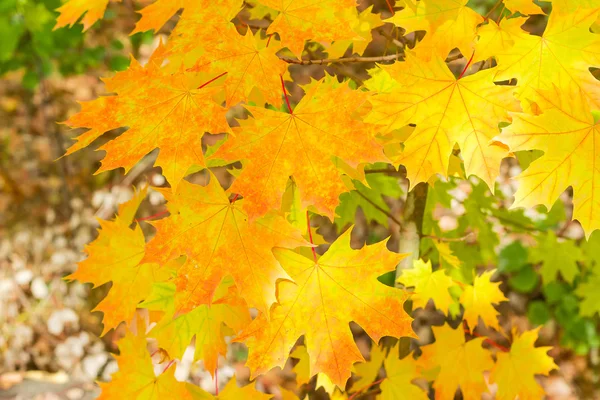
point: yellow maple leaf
(115, 257)
(205, 226)
(478, 300)
(340, 287)
(428, 285)
(447, 111)
(515, 371)
(302, 20)
(72, 10)
(175, 332)
(446, 254)
(494, 38)
(449, 24)
(231, 391)
(136, 379)
(460, 364)
(567, 133)
(368, 371)
(276, 145)
(165, 110)
(561, 56)
(400, 374)
(525, 7)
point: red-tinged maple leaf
(251, 63)
(276, 145)
(302, 20)
(328, 293)
(567, 132)
(72, 10)
(206, 323)
(515, 371)
(115, 257)
(169, 111)
(447, 111)
(218, 240)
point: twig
(444, 239)
(389, 215)
(397, 42)
(342, 60)
(354, 396)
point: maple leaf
(340, 287)
(450, 353)
(277, 145)
(562, 55)
(525, 7)
(136, 379)
(588, 291)
(251, 63)
(302, 20)
(231, 391)
(72, 10)
(398, 384)
(368, 371)
(362, 23)
(567, 132)
(447, 111)
(211, 13)
(428, 285)
(556, 257)
(478, 300)
(494, 38)
(174, 332)
(205, 227)
(114, 256)
(449, 24)
(170, 111)
(514, 371)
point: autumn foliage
(223, 251)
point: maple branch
(342, 60)
(397, 42)
(286, 99)
(389, 215)
(362, 389)
(444, 239)
(310, 235)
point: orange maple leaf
(276, 145)
(165, 110)
(340, 287)
(218, 240)
(302, 20)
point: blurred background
(50, 346)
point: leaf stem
(212, 80)
(288, 104)
(158, 214)
(362, 389)
(310, 235)
(217, 381)
(466, 66)
(487, 339)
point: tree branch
(342, 60)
